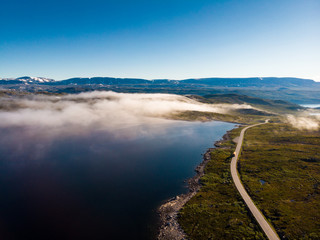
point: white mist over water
(105, 160)
(102, 110)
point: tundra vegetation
(280, 168)
(217, 210)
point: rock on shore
(170, 228)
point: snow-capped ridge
(27, 79)
(34, 79)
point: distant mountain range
(26, 80)
(255, 82)
(295, 90)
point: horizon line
(171, 79)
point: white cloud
(108, 110)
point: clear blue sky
(150, 39)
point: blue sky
(173, 39)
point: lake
(310, 105)
(96, 184)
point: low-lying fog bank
(106, 110)
(304, 121)
(114, 112)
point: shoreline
(169, 228)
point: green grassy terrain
(288, 161)
(217, 210)
(263, 109)
(273, 106)
(209, 116)
(280, 168)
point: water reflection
(95, 184)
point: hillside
(276, 106)
(295, 90)
(268, 82)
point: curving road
(269, 231)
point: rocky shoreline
(168, 212)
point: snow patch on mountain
(27, 79)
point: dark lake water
(98, 184)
